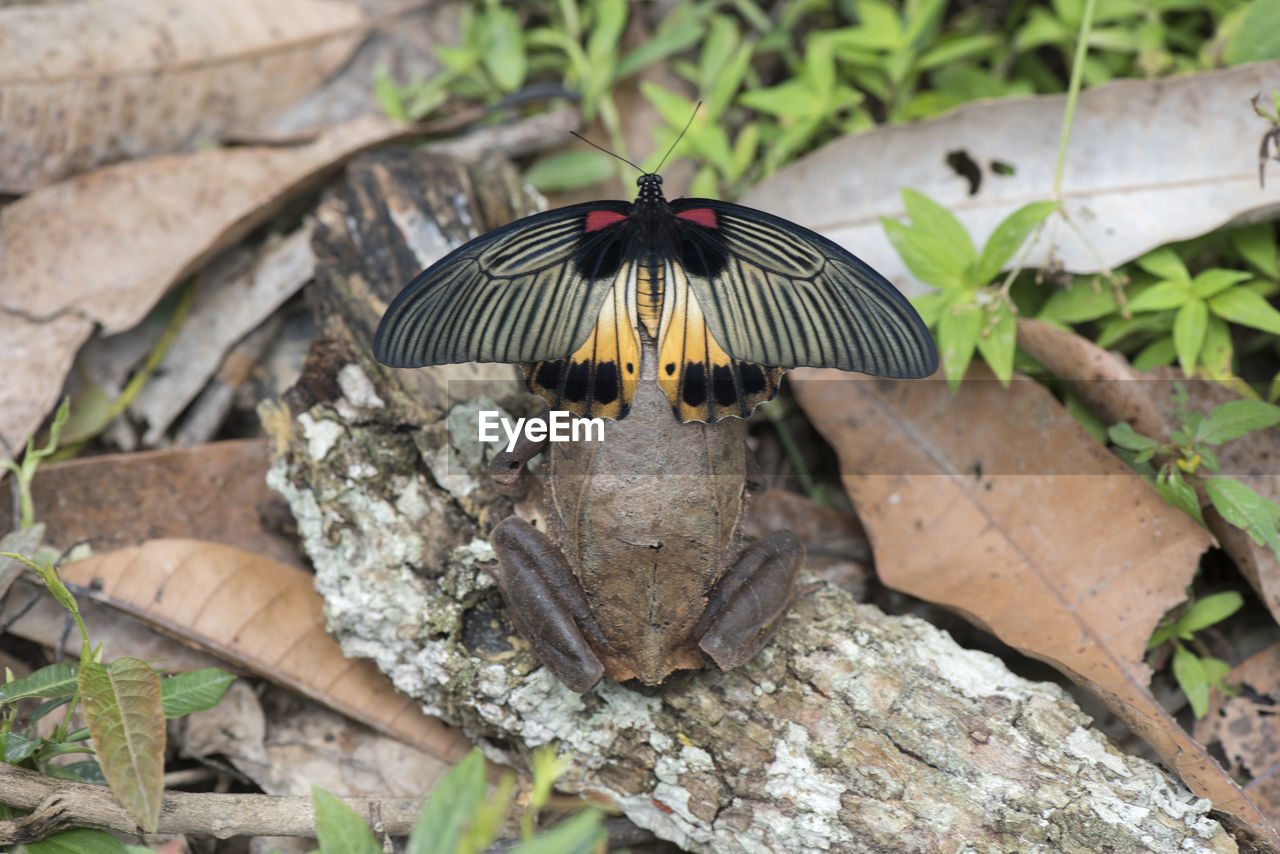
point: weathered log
(851, 731)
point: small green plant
(459, 819)
(967, 312)
(1196, 671)
(125, 703)
(1190, 447)
(25, 471)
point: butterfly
(722, 296)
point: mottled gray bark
(852, 731)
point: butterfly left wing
(549, 289)
(766, 294)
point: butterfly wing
(762, 291)
(533, 291)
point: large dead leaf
(105, 246)
(215, 492)
(83, 84)
(1151, 161)
(261, 615)
(996, 503)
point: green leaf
(671, 38)
(1210, 610)
(1083, 301)
(15, 747)
(450, 808)
(930, 305)
(1245, 509)
(1235, 418)
(958, 329)
(185, 693)
(1179, 493)
(954, 246)
(1008, 237)
(998, 343)
(577, 834)
(1189, 672)
(792, 99)
(1258, 37)
(921, 253)
(610, 18)
(1164, 263)
(1117, 329)
(1257, 245)
(1215, 670)
(80, 841)
(1248, 308)
(53, 680)
(387, 94)
(1157, 354)
(1214, 281)
(1218, 352)
(1123, 434)
(570, 170)
(338, 829)
(1161, 296)
(126, 719)
(1188, 333)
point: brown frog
(640, 572)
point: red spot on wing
(597, 220)
(705, 217)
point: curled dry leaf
(90, 83)
(261, 615)
(1150, 162)
(996, 503)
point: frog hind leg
(748, 604)
(546, 602)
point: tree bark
(851, 731)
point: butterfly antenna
(687, 125)
(606, 151)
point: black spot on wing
(694, 388)
(723, 388)
(577, 385)
(606, 385)
(548, 374)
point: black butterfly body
(724, 297)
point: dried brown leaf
(261, 615)
(1247, 727)
(215, 492)
(1116, 392)
(37, 355)
(89, 83)
(108, 244)
(996, 503)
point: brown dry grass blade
(91, 83)
(261, 615)
(996, 503)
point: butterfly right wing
(548, 290)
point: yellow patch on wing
(701, 380)
(598, 380)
